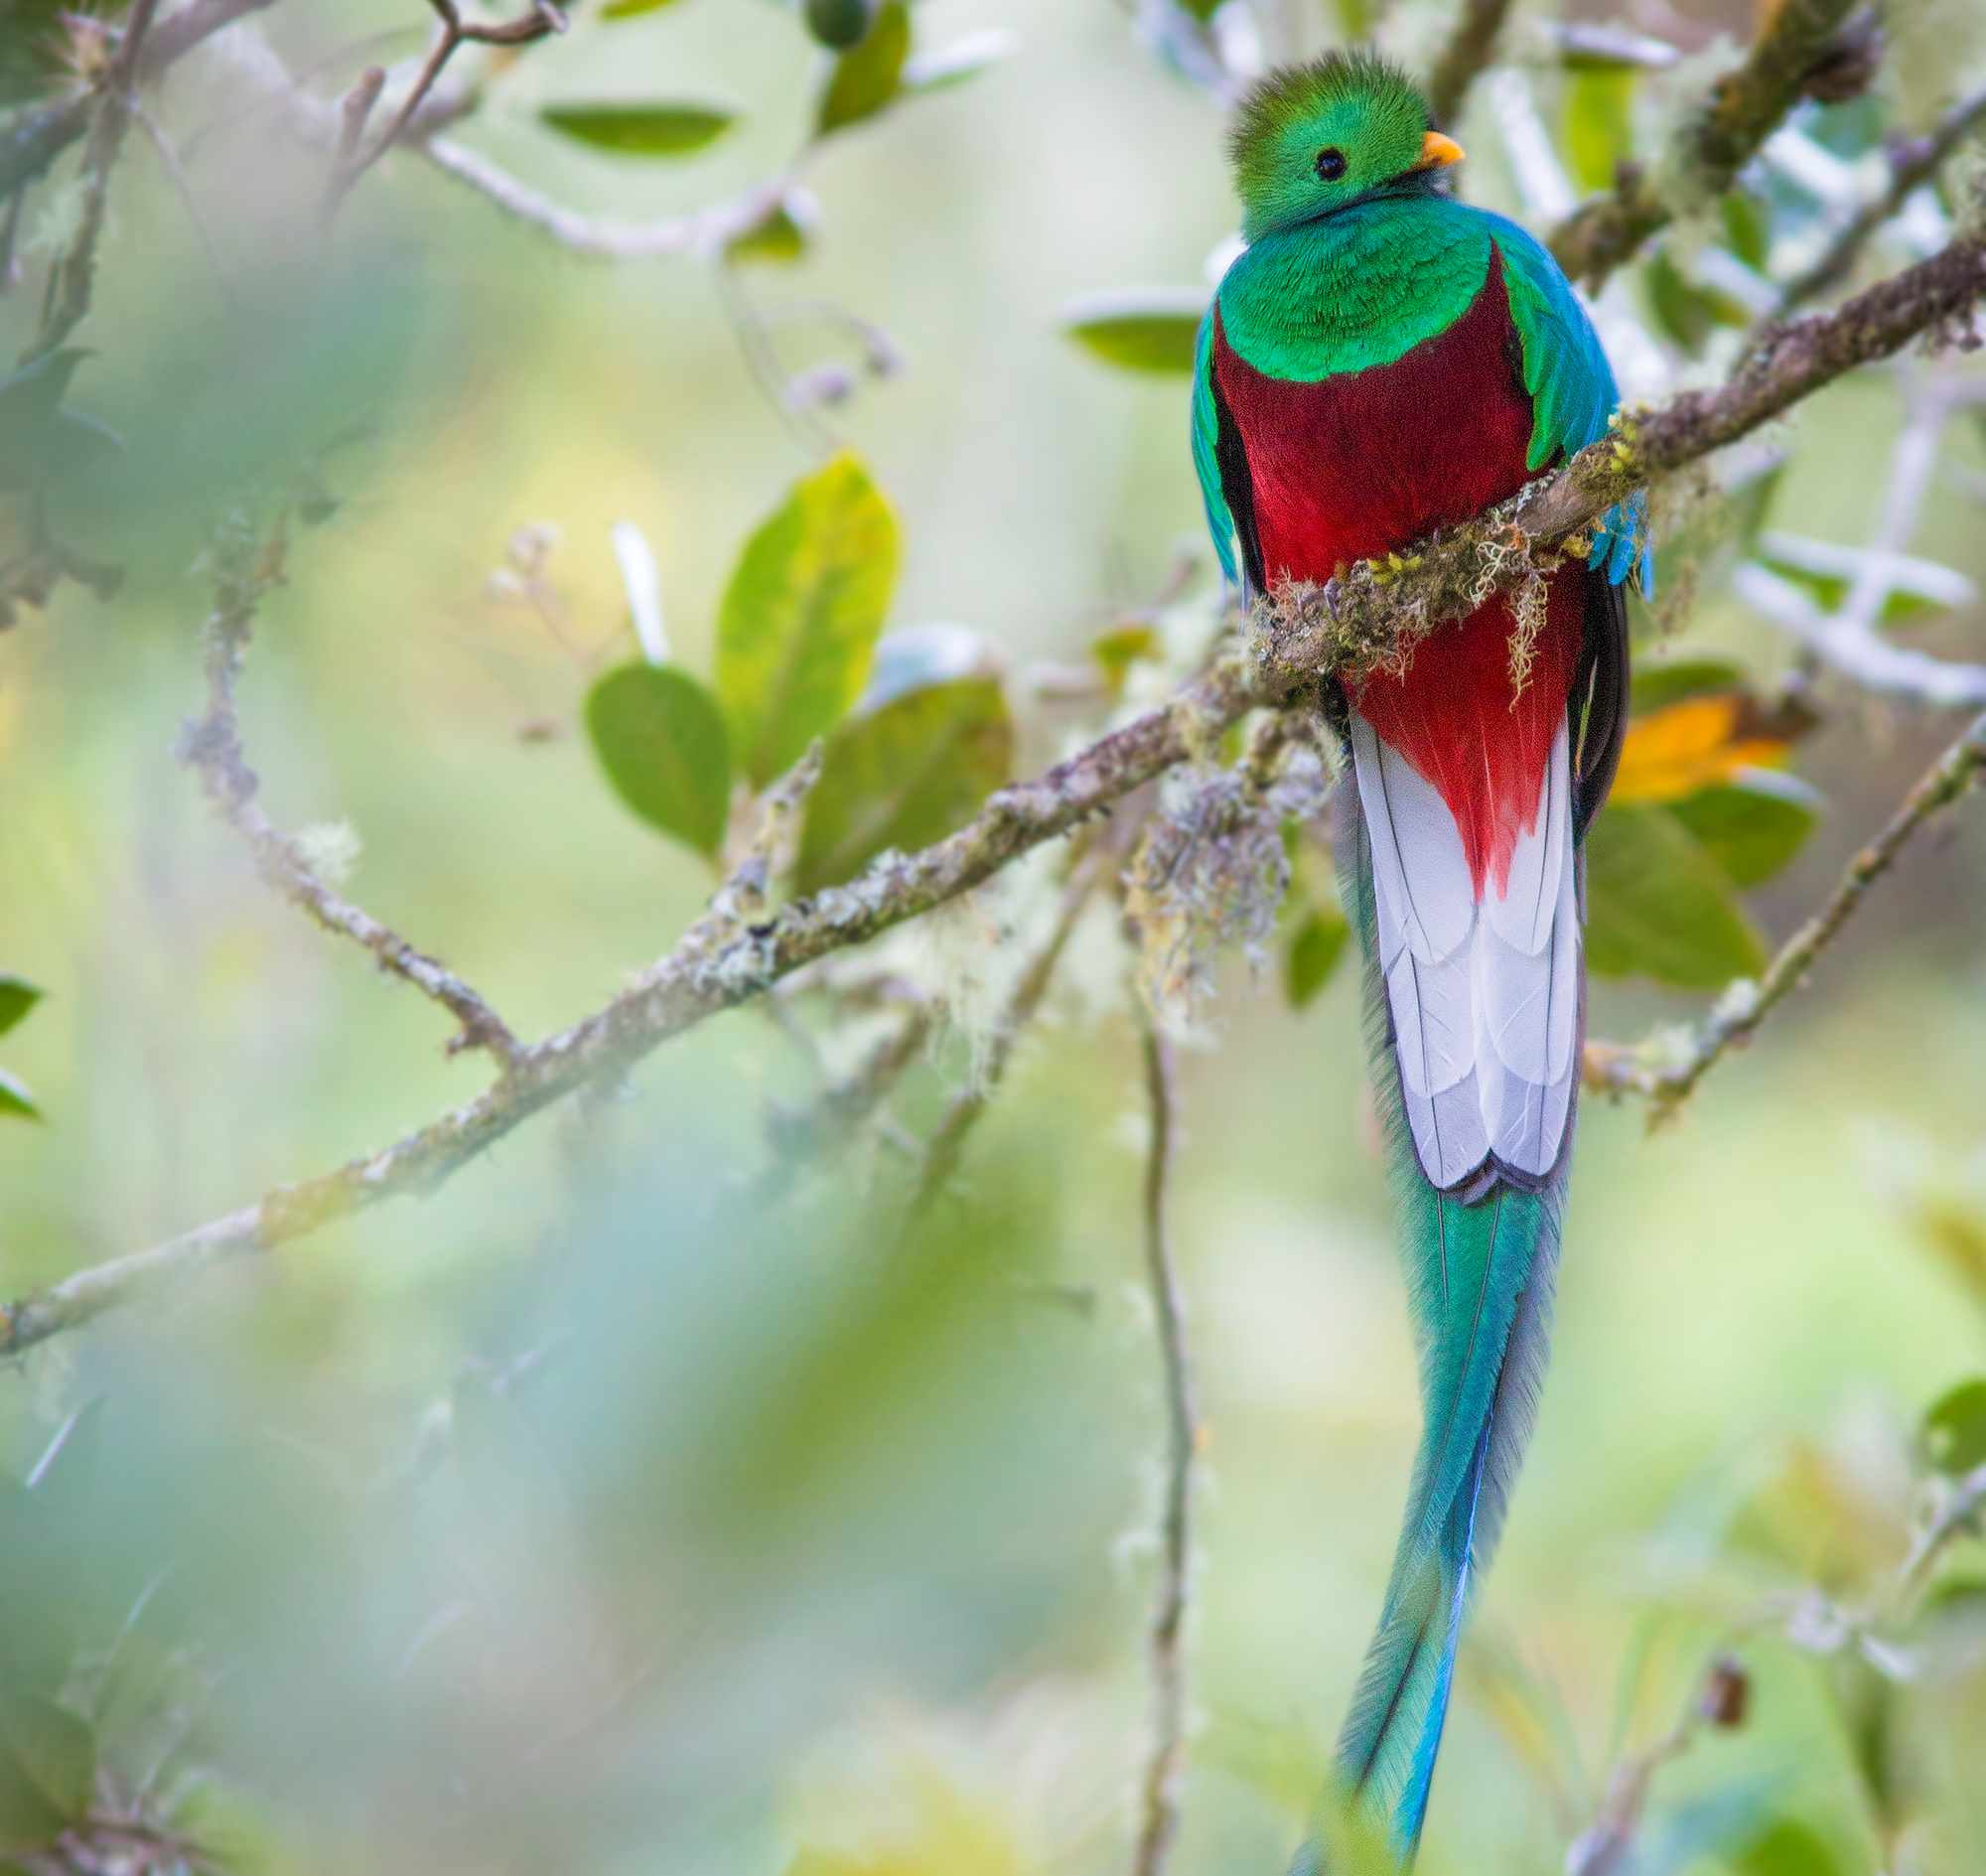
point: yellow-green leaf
(15, 1099)
(904, 775)
(1787, 1847)
(663, 741)
(1139, 331)
(869, 73)
(631, 9)
(1659, 904)
(799, 622)
(1599, 121)
(669, 129)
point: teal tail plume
(1481, 1268)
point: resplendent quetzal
(1379, 362)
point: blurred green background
(591, 1514)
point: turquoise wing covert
(1572, 388)
(1206, 448)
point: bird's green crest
(1316, 137)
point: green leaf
(48, 1771)
(1656, 687)
(1200, 10)
(631, 9)
(781, 235)
(1315, 948)
(799, 626)
(1139, 331)
(904, 775)
(15, 1099)
(867, 76)
(1954, 1433)
(1786, 1847)
(1685, 311)
(1598, 120)
(661, 739)
(672, 129)
(1829, 589)
(1746, 231)
(1660, 904)
(1750, 827)
(17, 997)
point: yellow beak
(1438, 152)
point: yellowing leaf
(796, 632)
(1696, 744)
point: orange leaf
(1691, 745)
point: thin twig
(1744, 1007)
(1024, 999)
(75, 272)
(705, 232)
(1372, 611)
(1470, 47)
(1742, 110)
(1912, 165)
(213, 746)
(1159, 1787)
(542, 18)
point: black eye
(1331, 164)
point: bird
(1381, 359)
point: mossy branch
(1370, 613)
(1743, 110)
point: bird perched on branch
(1383, 361)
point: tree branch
(75, 272)
(1743, 110)
(1158, 1788)
(948, 1142)
(1470, 47)
(1370, 612)
(36, 137)
(1743, 1006)
(213, 747)
(1912, 165)
(599, 239)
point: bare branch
(32, 139)
(1159, 1787)
(1743, 110)
(948, 1142)
(75, 272)
(1912, 165)
(707, 231)
(1370, 612)
(1470, 47)
(1743, 1007)
(213, 747)
(541, 19)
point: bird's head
(1314, 138)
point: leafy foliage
(866, 76)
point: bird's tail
(1481, 1268)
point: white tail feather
(1484, 998)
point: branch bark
(1743, 110)
(1159, 1787)
(1468, 50)
(1742, 1008)
(1372, 611)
